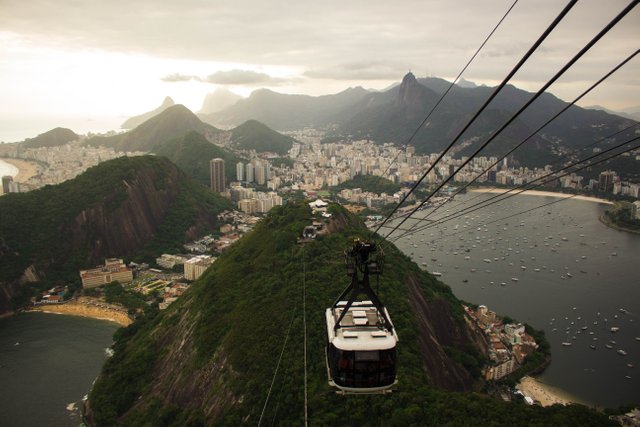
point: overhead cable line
(491, 201)
(284, 345)
(304, 322)
(535, 132)
(413, 135)
(497, 90)
(568, 65)
(557, 161)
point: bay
(580, 279)
(48, 362)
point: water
(565, 237)
(48, 362)
(18, 128)
(7, 169)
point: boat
(567, 344)
(593, 347)
(608, 345)
(622, 352)
(436, 273)
(614, 329)
(515, 279)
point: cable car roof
(359, 330)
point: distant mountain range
(218, 101)
(393, 115)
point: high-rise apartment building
(217, 175)
(240, 172)
(6, 183)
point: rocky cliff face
(113, 210)
(120, 232)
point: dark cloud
(361, 70)
(239, 77)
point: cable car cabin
(361, 354)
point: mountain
(174, 122)
(287, 112)
(394, 115)
(126, 207)
(138, 120)
(632, 113)
(210, 358)
(218, 101)
(253, 135)
(192, 153)
(52, 138)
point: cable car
(361, 351)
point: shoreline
(545, 394)
(26, 169)
(543, 193)
(88, 307)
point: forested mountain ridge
(210, 358)
(130, 206)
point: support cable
(492, 200)
(277, 365)
(568, 65)
(558, 161)
(413, 135)
(304, 322)
(504, 82)
(532, 134)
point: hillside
(52, 138)
(136, 121)
(253, 135)
(210, 358)
(287, 112)
(174, 122)
(372, 183)
(126, 207)
(192, 153)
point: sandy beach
(26, 169)
(542, 193)
(89, 307)
(543, 393)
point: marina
(555, 269)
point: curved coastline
(543, 193)
(26, 168)
(89, 307)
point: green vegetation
(227, 333)
(192, 153)
(114, 293)
(174, 122)
(253, 135)
(371, 183)
(52, 138)
(620, 217)
(51, 227)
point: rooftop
(360, 329)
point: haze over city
(99, 63)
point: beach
(26, 169)
(543, 393)
(543, 193)
(89, 307)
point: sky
(88, 64)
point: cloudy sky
(111, 59)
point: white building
(194, 267)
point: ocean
(7, 169)
(580, 279)
(47, 365)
